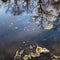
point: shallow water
(15, 30)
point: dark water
(15, 30)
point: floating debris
(45, 50)
(18, 54)
(30, 46)
(23, 42)
(32, 54)
(21, 52)
(11, 24)
(48, 27)
(38, 49)
(25, 57)
(16, 28)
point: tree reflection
(43, 12)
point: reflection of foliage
(4, 0)
(44, 13)
(47, 15)
(57, 23)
